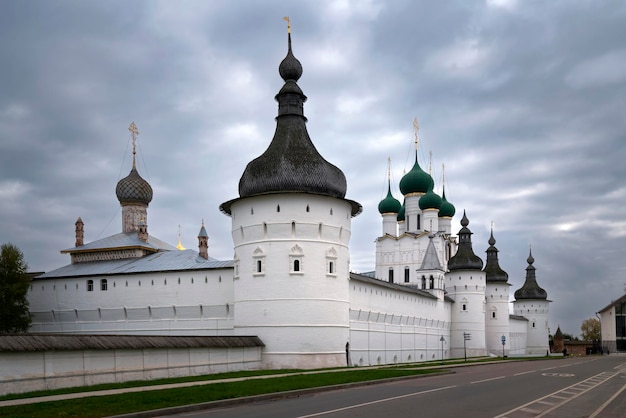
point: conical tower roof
(291, 163)
(530, 289)
(465, 259)
(493, 272)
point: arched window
(431, 281)
(259, 266)
(423, 282)
(90, 285)
(331, 267)
(296, 265)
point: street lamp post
(503, 342)
(443, 340)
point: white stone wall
(301, 316)
(34, 371)
(167, 303)
(390, 326)
(518, 333)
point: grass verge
(142, 401)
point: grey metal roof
(431, 260)
(530, 289)
(122, 240)
(613, 303)
(381, 283)
(174, 260)
(518, 317)
(63, 342)
(465, 259)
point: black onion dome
(133, 189)
(290, 68)
(530, 289)
(493, 272)
(465, 259)
(291, 163)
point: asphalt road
(593, 386)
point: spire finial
(180, 244)
(443, 175)
(416, 128)
(134, 132)
(430, 163)
(288, 24)
(389, 169)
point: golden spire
(416, 128)
(288, 24)
(389, 168)
(443, 175)
(180, 244)
(134, 132)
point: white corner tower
(531, 302)
(497, 303)
(465, 283)
(291, 227)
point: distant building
(613, 325)
(289, 283)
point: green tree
(14, 282)
(590, 329)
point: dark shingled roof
(66, 342)
(291, 163)
(493, 272)
(465, 259)
(530, 289)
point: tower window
(431, 283)
(296, 265)
(464, 307)
(423, 282)
(391, 275)
(104, 285)
(259, 266)
(331, 267)
(90, 285)
(406, 275)
(277, 208)
(307, 208)
(419, 221)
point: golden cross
(134, 132)
(288, 24)
(416, 127)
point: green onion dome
(416, 180)
(447, 209)
(430, 200)
(389, 204)
(401, 213)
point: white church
(289, 283)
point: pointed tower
(431, 272)
(465, 283)
(447, 209)
(389, 208)
(531, 302)
(133, 193)
(179, 246)
(497, 297)
(79, 232)
(413, 186)
(291, 228)
(203, 243)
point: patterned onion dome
(416, 180)
(430, 200)
(389, 204)
(447, 209)
(133, 189)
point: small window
(296, 265)
(493, 315)
(104, 285)
(464, 307)
(307, 208)
(277, 208)
(391, 275)
(259, 266)
(331, 267)
(90, 285)
(406, 275)
(431, 282)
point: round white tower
(497, 303)
(465, 283)
(531, 302)
(291, 228)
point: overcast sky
(524, 102)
